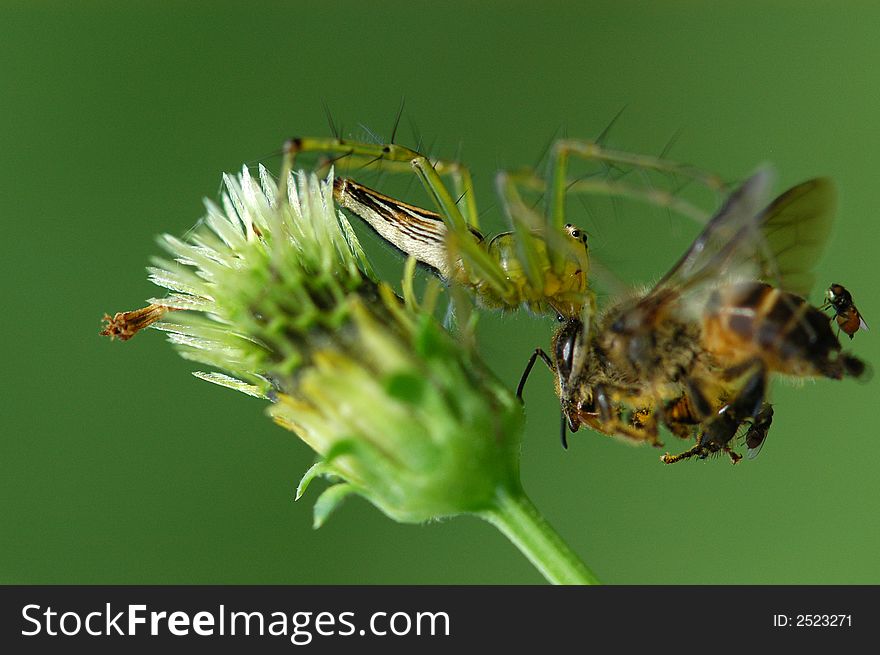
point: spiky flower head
(274, 292)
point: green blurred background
(119, 467)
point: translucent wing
(727, 246)
(779, 244)
(796, 227)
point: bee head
(569, 354)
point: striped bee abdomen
(754, 320)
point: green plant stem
(521, 522)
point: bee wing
(779, 244)
(725, 247)
(796, 227)
(744, 242)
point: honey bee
(696, 351)
(845, 313)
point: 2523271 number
(823, 621)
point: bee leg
(684, 414)
(696, 451)
(603, 404)
(720, 428)
(747, 404)
(734, 457)
(712, 440)
(640, 428)
(739, 370)
(750, 400)
(640, 425)
(643, 422)
(681, 429)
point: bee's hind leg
(696, 451)
(747, 405)
(708, 445)
(719, 429)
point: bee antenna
(563, 431)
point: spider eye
(576, 234)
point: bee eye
(566, 343)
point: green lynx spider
(542, 263)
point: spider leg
(387, 157)
(478, 266)
(592, 151)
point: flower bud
(279, 296)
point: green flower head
(279, 297)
